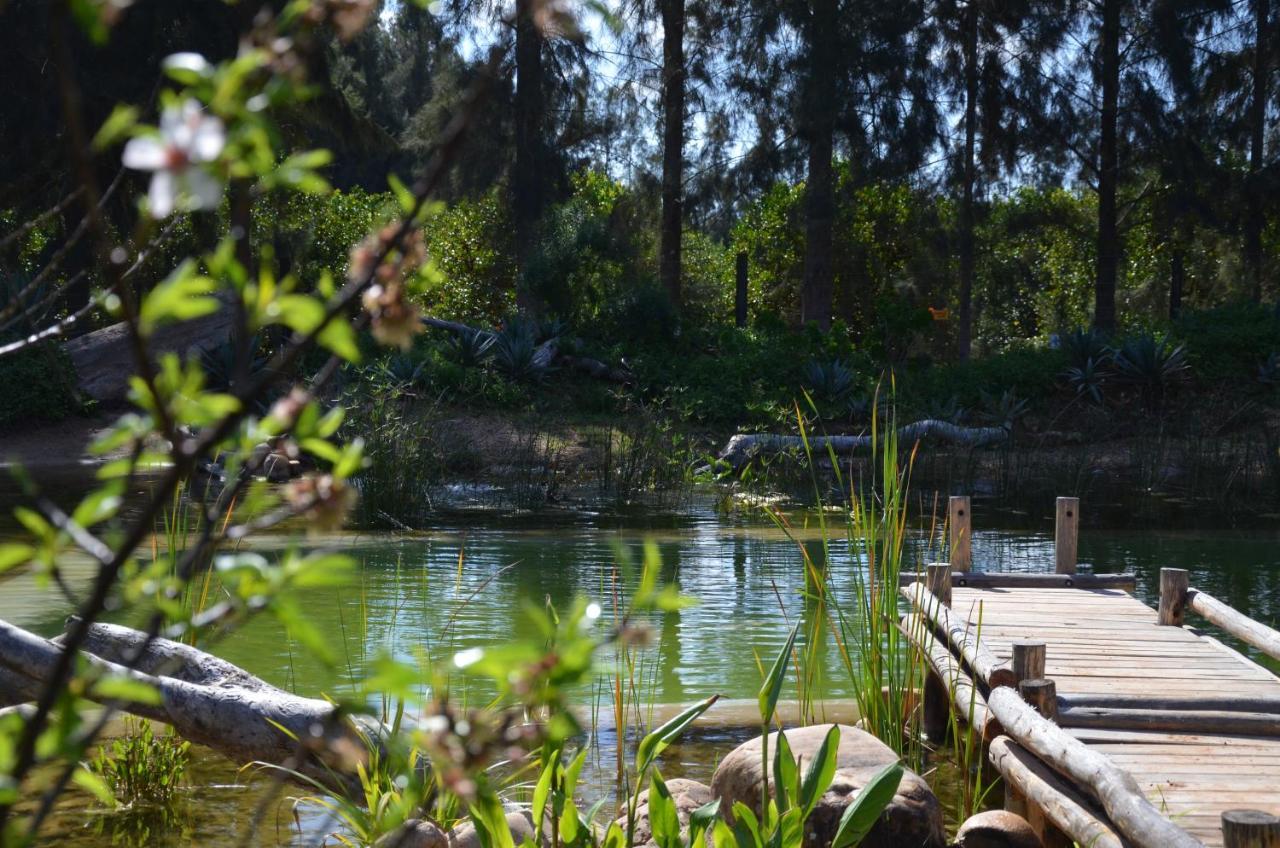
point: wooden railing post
(1174, 583)
(1028, 660)
(938, 581)
(1041, 694)
(1250, 829)
(1066, 533)
(960, 537)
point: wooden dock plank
(1105, 641)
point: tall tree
(529, 180)
(673, 133)
(1108, 259)
(817, 130)
(1260, 92)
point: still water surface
(466, 582)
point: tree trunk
(1104, 314)
(1177, 279)
(529, 179)
(1257, 137)
(673, 78)
(819, 122)
(965, 323)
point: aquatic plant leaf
(865, 809)
(664, 821)
(658, 740)
(700, 820)
(771, 689)
(786, 783)
(820, 771)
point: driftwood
(1115, 789)
(208, 701)
(742, 447)
(547, 354)
(962, 635)
(1059, 802)
(1234, 622)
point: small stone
(996, 829)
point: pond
(465, 584)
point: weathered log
(966, 700)
(1060, 803)
(743, 446)
(1235, 622)
(1017, 580)
(962, 635)
(1171, 721)
(1194, 703)
(213, 703)
(1115, 789)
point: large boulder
(416, 833)
(688, 796)
(913, 818)
(996, 829)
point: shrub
(37, 384)
(140, 767)
(1225, 344)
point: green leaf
(746, 827)
(865, 809)
(700, 820)
(820, 770)
(571, 774)
(119, 123)
(656, 742)
(14, 554)
(664, 819)
(551, 756)
(117, 687)
(771, 689)
(183, 295)
(722, 836)
(94, 785)
(337, 337)
(786, 777)
(98, 506)
(403, 196)
(569, 822)
(324, 570)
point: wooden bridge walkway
(1106, 642)
(1113, 724)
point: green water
(465, 584)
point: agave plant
(1082, 346)
(1152, 364)
(517, 353)
(946, 410)
(402, 370)
(829, 382)
(1089, 378)
(470, 348)
(1005, 410)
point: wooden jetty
(1112, 724)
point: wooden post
(1066, 534)
(740, 299)
(1014, 801)
(1041, 694)
(1028, 660)
(1250, 829)
(960, 537)
(1174, 583)
(938, 581)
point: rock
(276, 468)
(996, 829)
(689, 795)
(416, 833)
(913, 818)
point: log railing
(1177, 596)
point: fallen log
(1060, 803)
(742, 447)
(211, 702)
(1114, 788)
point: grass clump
(141, 767)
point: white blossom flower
(188, 140)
